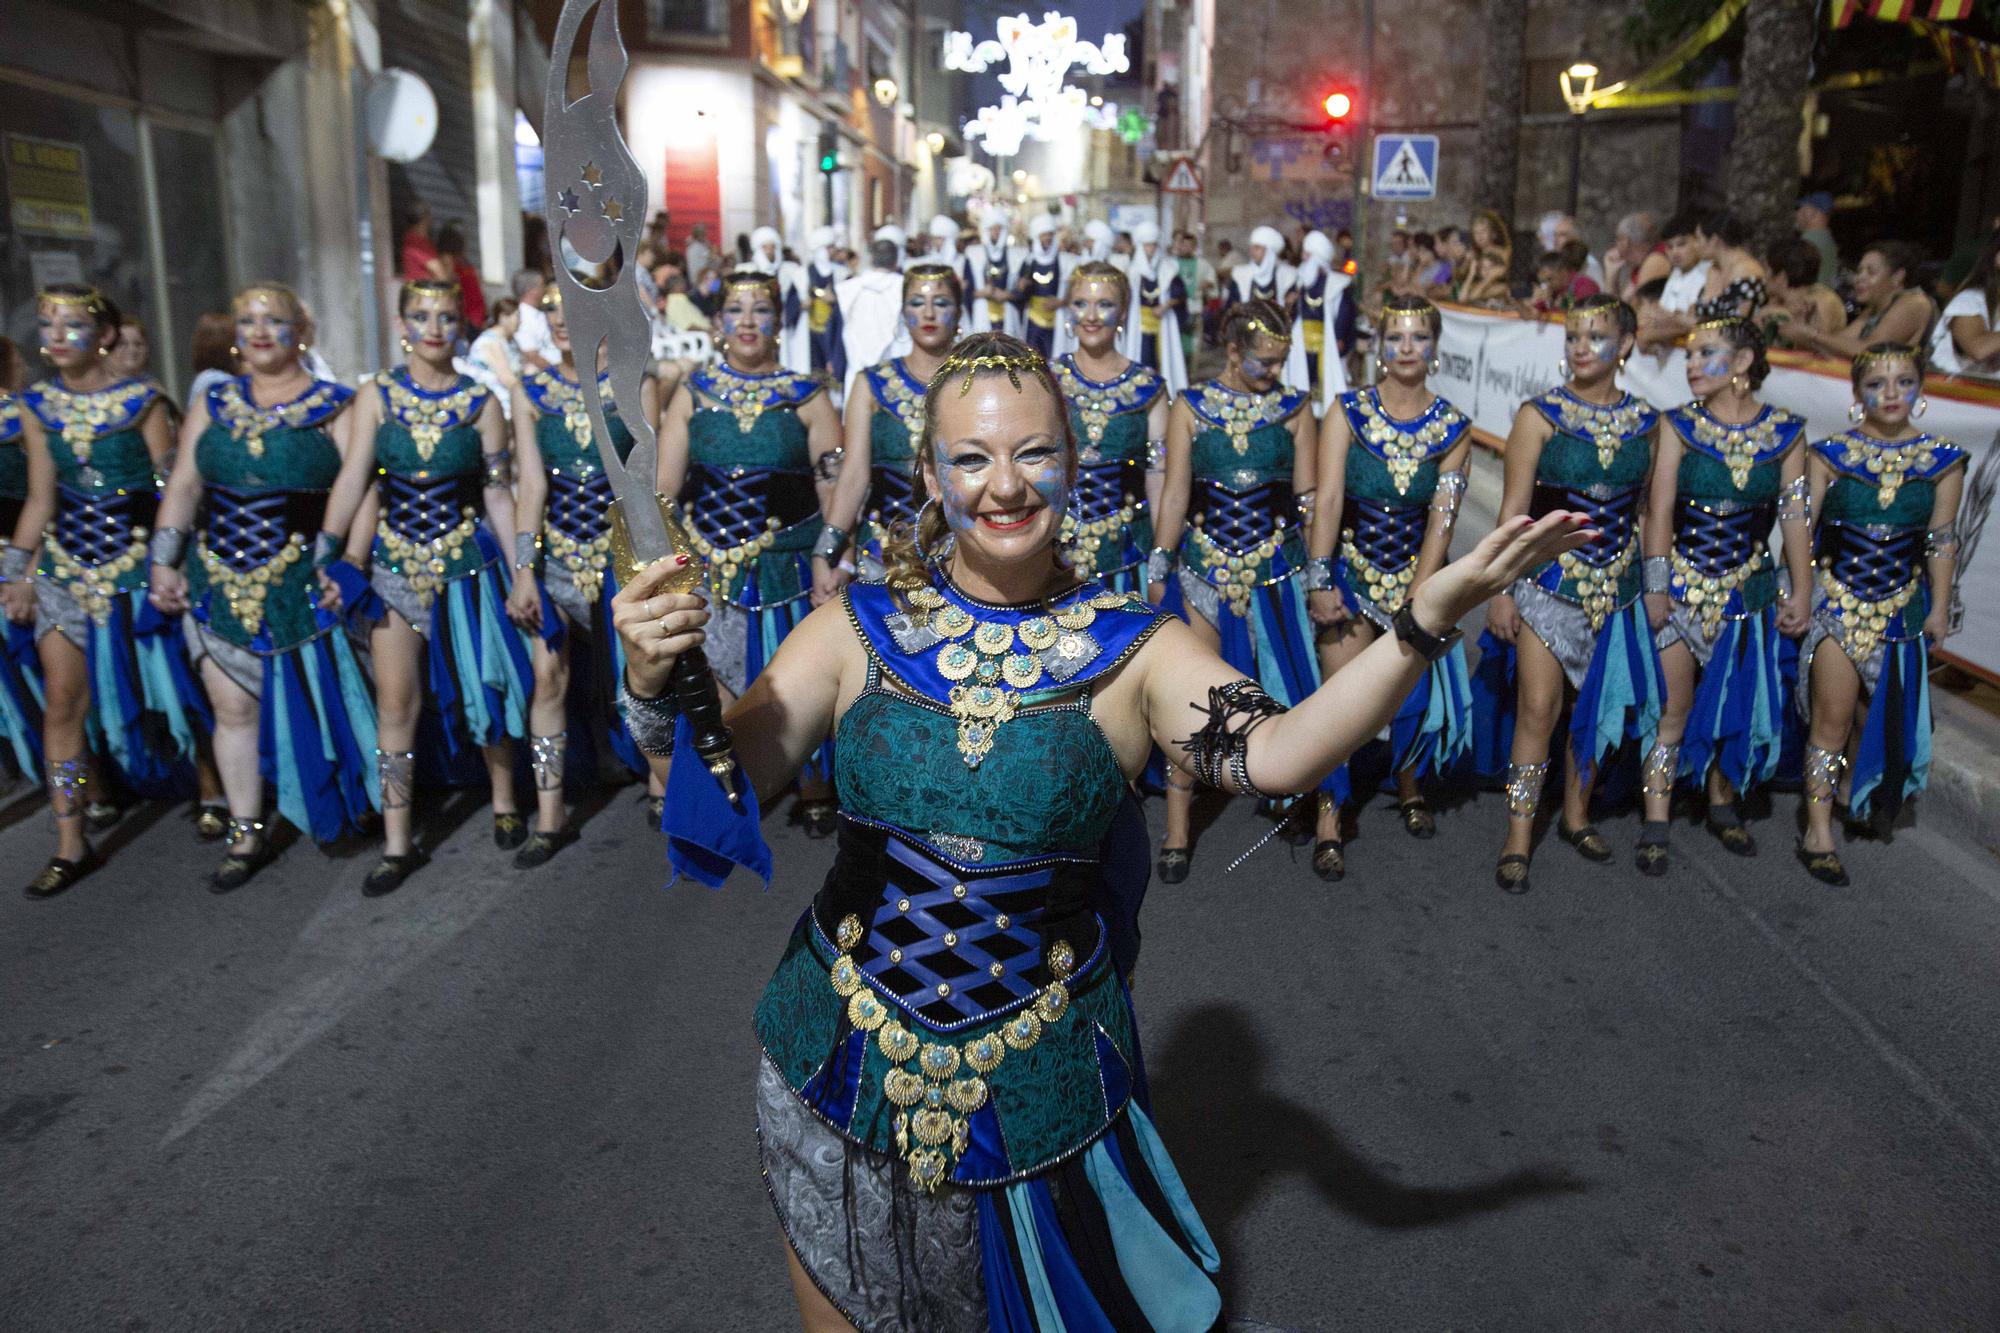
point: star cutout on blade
(568, 200)
(614, 211)
(592, 176)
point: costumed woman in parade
(994, 263)
(1323, 327)
(750, 453)
(1118, 415)
(258, 454)
(114, 669)
(1577, 626)
(1157, 311)
(1038, 285)
(875, 474)
(1266, 277)
(1727, 468)
(440, 612)
(945, 251)
(562, 511)
(952, 1116)
(812, 341)
(1885, 495)
(1393, 462)
(1233, 513)
(20, 667)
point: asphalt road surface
(1729, 1099)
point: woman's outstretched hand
(1518, 546)
(656, 627)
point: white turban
(821, 243)
(760, 238)
(1273, 242)
(1041, 225)
(1101, 236)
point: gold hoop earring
(1437, 364)
(1855, 412)
(407, 349)
(234, 350)
(1923, 406)
(45, 354)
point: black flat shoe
(59, 874)
(541, 847)
(100, 815)
(1651, 858)
(509, 831)
(1730, 832)
(656, 810)
(821, 818)
(1173, 864)
(1822, 866)
(1418, 821)
(1512, 873)
(238, 868)
(1330, 860)
(1589, 843)
(211, 822)
(390, 872)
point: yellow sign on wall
(48, 186)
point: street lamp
(794, 10)
(935, 142)
(885, 91)
(1579, 89)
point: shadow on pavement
(1268, 1136)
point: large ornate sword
(597, 203)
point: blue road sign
(1406, 166)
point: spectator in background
(1431, 272)
(494, 359)
(1688, 271)
(419, 252)
(1890, 309)
(131, 356)
(1456, 251)
(682, 314)
(1646, 304)
(14, 366)
(1967, 341)
(1636, 256)
(1483, 279)
(458, 269)
(1813, 219)
(1559, 229)
(214, 353)
(700, 256)
(1343, 248)
(1560, 281)
(1800, 303)
(1735, 287)
(537, 348)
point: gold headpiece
(92, 301)
(1899, 352)
(761, 281)
(1259, 326)
(972, 365)
(435, 287)
(551, 297)
(1423, 312)
(271, 293)
(1726, 322)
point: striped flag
(1892, 11)
(1841, 12)
(1949, 11)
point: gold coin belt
(936, 1085)
(1707, 595)
(1234, 574)
(1387, 588)
(423, 564)
(246, 591)
(1082, 541)
(94, 586)
(1597, 586)
(1865, 621)
(584, 561)
(726, 562)
(1401, 449)
(427, 418)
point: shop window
(705, 21)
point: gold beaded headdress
(1426, 312)
(746, 278)
(1896, 352)
(972, 365)
(917, 274)
(1726, 322)
(91, 302)
(1255, 325)
(271, 293)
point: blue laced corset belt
(94, 527)
(1718, 537)
(423, 510)
(892, 493)
(1103, 488)
(580, 507)
(1613, 512)
(1874, 561)
(1387, 536)
(247, 530)
(1239, 520)
(734, 505)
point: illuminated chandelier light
(793, 10)
(1039, 56)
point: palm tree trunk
(1763, 168)
(1500, 120)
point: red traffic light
(1338, 105)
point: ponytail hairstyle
(1409, 303)
(1247, 319)
(1742, 335)
(976, 356)
(103, 311)
(917, 274)
(1101, 270)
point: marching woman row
(115, 671)
(951, 1110)
(1233, 512)
(750, 451)
(1393, 462)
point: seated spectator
(1483, 281)
(1687, 271)
(1811, 218)
(682, 314)
(1967, 341)
(494, 359)
(1430, 273)
(1560, 281)
(532, 339)
(1889, 308)
(1735, 287)
(1646, 303)
(1636, 257)
(1800, 303)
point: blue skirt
(146, 709)
(21, 700)
(1737, 719)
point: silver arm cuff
(832, 541)
(167, 547)
(1159, 564)
(1156, 455)
(1795, 502)
(1655, 573)
(650, 721)
(1450, 492)
(499, 470)
(1941, 543)
(15, 563)
(527, 550)
(1319, 574)
(827, 466)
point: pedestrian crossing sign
(1182, 178)
(1406, 166)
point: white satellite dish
(402, 115)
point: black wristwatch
(1430, 646)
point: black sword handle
(700, 701)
